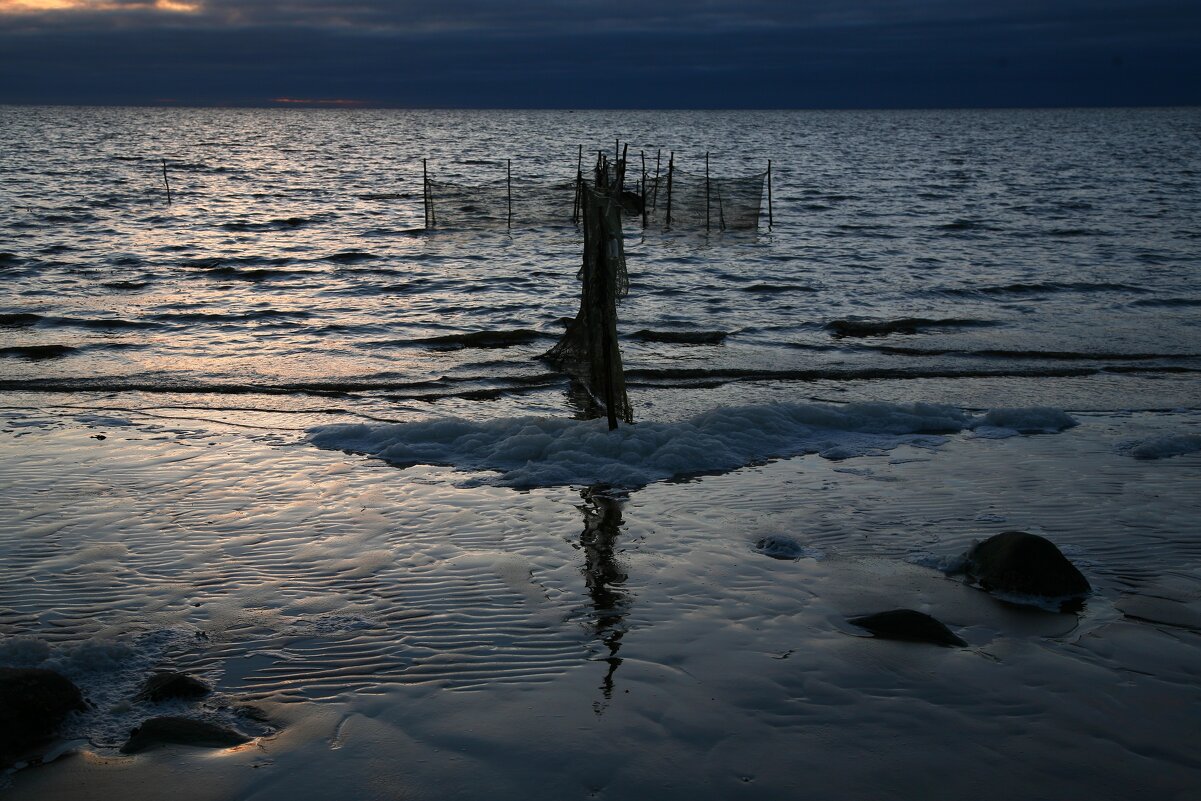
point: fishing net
(687, 200)
(529, 204)
(588, 350)
(676, 199)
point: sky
(603, 53)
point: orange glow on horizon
(28, 6)
(311, 102)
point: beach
(281, 438)
(408, 636)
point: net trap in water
(599, 203)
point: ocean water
(1046, 257)
(279, 435)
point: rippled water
(959, 323)
(1035, 256)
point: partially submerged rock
(780, 548)
(167, 684)
(1019, 563)
(33, 704)
(181, 731)
(909, 625)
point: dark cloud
(620, 53)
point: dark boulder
(181, 731)
(168, 684)
(33, 703)
(1024, 564)
(907, 624)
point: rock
(167, 684)
(181, 731)
(907, 624)
(33, 703)
(1024, 564)
(780, 548)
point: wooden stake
(509, 185)
(769, 220)
(655, 202)
(706, 191)
(425, 192)
(166, 182)
(643, 152)
(671, 160)
(579, 180)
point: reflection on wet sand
(604, 579)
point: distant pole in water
(509, 185)
(706, 190)
(621, 164)
(643, 152)
(579, 184)
(166, 182)
(425, 192)
(671, 160)
(655, 202)
(769, 220)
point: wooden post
(425, 192)
(509, 186)
(621, 171)
(769, 220)
(706, 190)
(579, 180)
(671, 160)
(655, 202)
(166, 182)
(643, 152)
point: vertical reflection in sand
(604, 578)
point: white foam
(532, 452)
(1164, 447)
(1002, 423)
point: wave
(481, 339)
(772, 289)
(253, 274)
(1039, 288)
(126, 285)
(680, 337)
(36, 352)
(19, 320)
(537, 452)
(904, 325)
(968, 225)
(282, 224)
(1168, 303)
(1054, 355)
(349, 256)
(1164, 447)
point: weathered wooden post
(166, 182)
(769, 220)
(643, 153)
(425, 192)
(706, 190)
(509, 185)
(671, 160)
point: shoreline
(402, 626)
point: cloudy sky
(603, 53)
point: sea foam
(1164, 447)
(535, 452)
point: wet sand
(411, 633)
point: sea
(263, 424)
